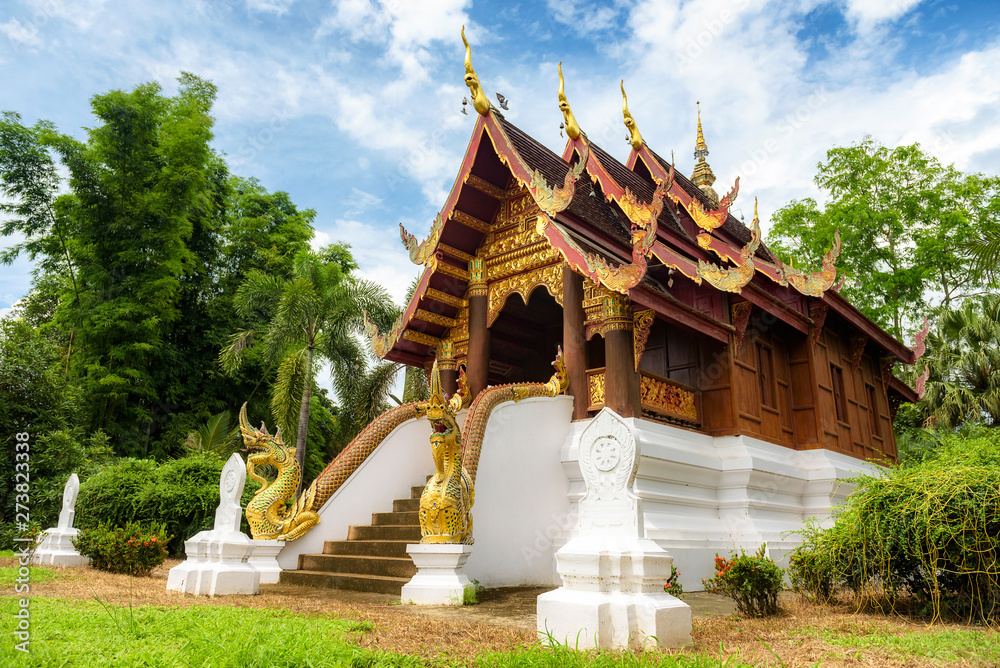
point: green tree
(902, 218)
(963, 355)
(315, 313)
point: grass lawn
(82, 618)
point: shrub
(132, 550)
(673, 585)
(753, 581)
(181, 493)
(930, 531)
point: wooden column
(447, 368)
(575, 342)
(621, 381)
(477, 365)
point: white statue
(56, 547)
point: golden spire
(703, 177)
(572, 127)
(636, 138)
(479, 100)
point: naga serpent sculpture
(272, 517)
(267, 514)
(446, 502)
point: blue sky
(353, 107)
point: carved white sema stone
(231, 483)
(68, 511)
(609, 461)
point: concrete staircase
(373, 558)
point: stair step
(385, 532)
(372, 548)
(405, 505)
(396, 518)
(415, 492)
(374, 583)
(396, 567)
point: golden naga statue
(815, 284)
(446, 503)
(479, 99)
(572, 127)
(267, 513)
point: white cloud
(868, 13)
(379, 254)
(27, 35)
(278, 7)
(4, 312)
(360, 201)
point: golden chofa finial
(636, 138)
(702, 176)
(479, 100)
(572, 127)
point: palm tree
(964, 360)
(317, 312)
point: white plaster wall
(703, 495)
(401, 461)
(522, 508)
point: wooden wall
(861, 425)
(763, 388)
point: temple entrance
(524, 339)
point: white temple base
(264, 558)
(440, 578)
(56, 549)
(216, 566)
(612, 597)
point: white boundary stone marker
(216, 563)
(56, 547)
(613, 576)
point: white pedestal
(264, 558)
(613, 576)
(612, 596)
(440, 578)
(56, 549)
(216, 566)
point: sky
(354, 107)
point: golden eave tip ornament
(635, 138)
(479, 100)
(572, 127)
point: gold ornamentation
(420, 337)
(643, 323)
(644, 215)
(886, 364)
(572, 127)
(634, 137)
(733, 280)
(434, 318)
(818, 315)
(479, 99)
(711, 220)
(554, 200)
(617, 313)
(524, 284)
(595, 390)
(702, 175)
(267, 513)
(667, 398)
(470, 221)
(445, 298)
(446, 502)
(446, 355)
(424, 251)
(454, 252)
(451, 270)
(813, 285)
(382, 343)
(485, 187)
(620, 278)
(858, 344)
(463, 397)
(477, 277)
(739, 314)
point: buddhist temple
(752, 387)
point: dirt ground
(505, 619)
